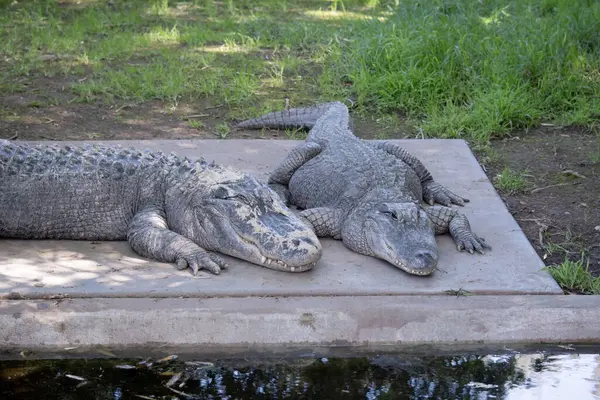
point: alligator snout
(424, 262)
(287, 242)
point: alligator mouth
(278, 265)
(403, 266)
(281, 266)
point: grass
(569, 243)
(222, 130)
(511, 182)
(196, 123)
(574, 276)
(453, 68)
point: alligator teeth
(292, 269)
(263, 260)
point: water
(543, 376)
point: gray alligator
(168, 208)
(367, 193)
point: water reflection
(564, 376)
(511, 377)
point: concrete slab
(42, 269)
(293, 326)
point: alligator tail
(294, 118)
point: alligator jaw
(281, 266)
(278, 265)
(413, 271)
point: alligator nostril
(426, 257)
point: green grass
(574, 276)
(454, 68)
(196, 123)
(222, 130)
(511, 182)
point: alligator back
(347, 167)
(68, 192)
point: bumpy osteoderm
(369, 194)
(169, 208)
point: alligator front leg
(326, 222)
(432, 191)
(446, 220)
(149, 236)
(280, 178)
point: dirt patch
(53, 114)
(559, 210)
(31, 117)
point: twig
(573, 173)
(195, 116)
(174, 379)
(550, 186)
(13, 137)
(541, 231)
(124, 106)
(189, 396)
(78, 378)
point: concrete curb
(289, 324)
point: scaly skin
(168, 208)
(369, 194)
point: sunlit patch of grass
(574, 276)
(164, 36)
(339, 15)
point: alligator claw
(472, 243)
(434, 192)
(201, 259)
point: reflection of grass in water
(383, 378)
(462, 68)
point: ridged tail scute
(294, 118)
(31, 160)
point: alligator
(373, 195)
(169, 208)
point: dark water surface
(545, 376)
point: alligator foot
(446, 219)
(199, 259)
(464, 237)
(434, 192)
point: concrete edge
(288, 325)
